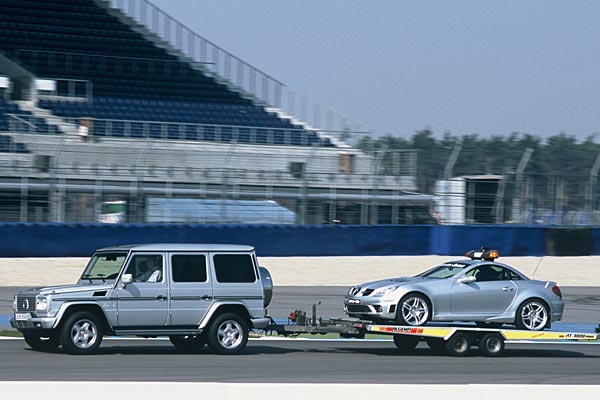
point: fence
(72, 240)
(62, 178)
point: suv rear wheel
(228, 334)
(81, 333)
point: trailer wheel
(491, 345)
(437, 345)
(405, 343)
(459, 345)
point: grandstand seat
(132, 78)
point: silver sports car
(475, 290)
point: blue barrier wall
(80, 240)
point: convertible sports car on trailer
(475, 290)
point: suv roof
(179, 247)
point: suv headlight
(383, 291)
(41, 303)
(15, 303)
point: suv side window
(189, 268)
(146, 268)
(234, 268)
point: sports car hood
(392, 282)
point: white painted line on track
(293, 391)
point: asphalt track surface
(313, 361)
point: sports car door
(488, 295)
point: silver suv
(193, 293)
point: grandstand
(160, 123)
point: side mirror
(467, 279)
(125, 279)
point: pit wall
(80, 240)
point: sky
(458, 66)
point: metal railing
(67, 89)
(243, 76)
(119, 128)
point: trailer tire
(491, 345)
(406, 343)
(459, 344)
(437, 345)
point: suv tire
(189, 343)
(81, 333)
(228, 334)
(41, 343)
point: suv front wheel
(81, 333)
(228, 334)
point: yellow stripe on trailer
(547, 335)
(445, 332)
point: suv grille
(358, 308)
(26, 303)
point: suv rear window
(189, 268)
(234, 268)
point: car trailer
(454, 340)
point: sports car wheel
(459, 344)
(532, 315)
(413, 310)
(491, 345)
(405, 343)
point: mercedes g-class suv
(193, 293)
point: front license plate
(22, 316)
(353, 301)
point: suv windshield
(444, 271)
(104, 266)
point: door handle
(206, 297)
(161, 297)
(508, 288)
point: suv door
(144, 302)
(191, 288)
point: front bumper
(32, 323)
(370, 307)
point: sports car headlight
(384, 291)
(41, 303)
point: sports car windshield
(444, 271)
